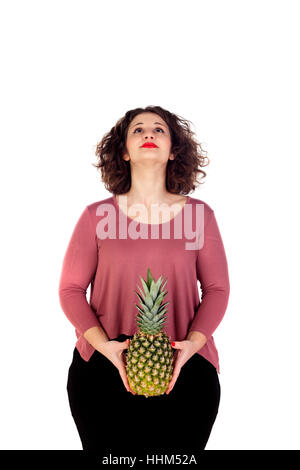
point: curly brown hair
(181, 173)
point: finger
(122, 354)
(169, 389)
(124, 378)
(171, 385)
(124, 344)
(123, 375)
(178, 359)
(174, 377)
(176, 372)
(175, 357)
(121, 346)
(177, 344)
(172, 382)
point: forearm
(96, 337)
(198, 338)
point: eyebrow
(154, 123)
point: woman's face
(148, 127)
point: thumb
(176, 344)
(125, 343)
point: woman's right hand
(113, 350)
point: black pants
(108, 418)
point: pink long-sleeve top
(110, 250)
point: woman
(149, 162)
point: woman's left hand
(185, 350)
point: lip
(149, 145)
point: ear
(172, 156)
(126, 157)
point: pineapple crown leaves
(152, 312)
(150, 300)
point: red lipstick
(149, 145)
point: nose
(149, 134)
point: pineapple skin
(149, 363)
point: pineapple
(149, 360)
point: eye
(138, 128)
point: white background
(70, 70)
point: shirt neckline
(143, 223)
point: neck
(147, 186)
